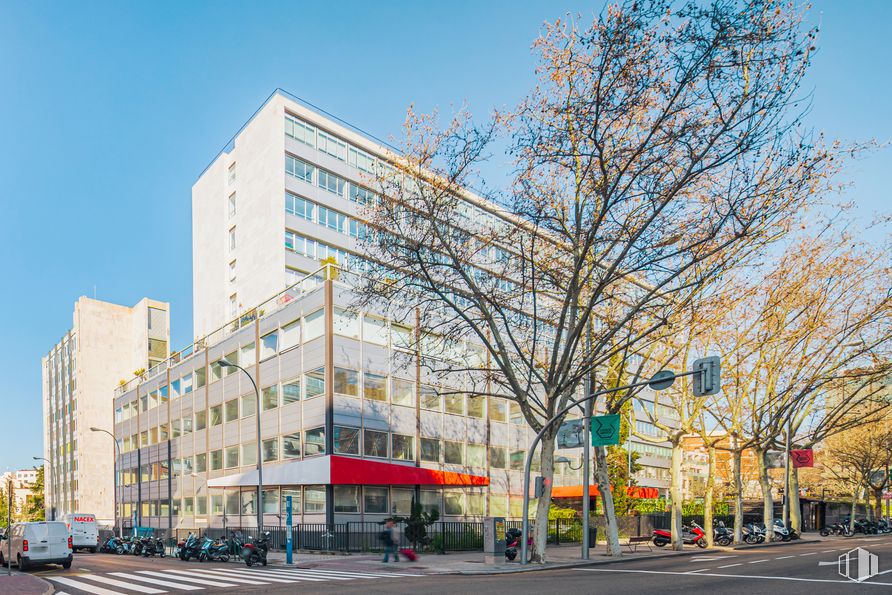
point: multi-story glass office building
(286, 193)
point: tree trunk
(854, 508)
(708, 499)
(795, 511)
(540, 529)
(738, 495)
(878, 503)
(767, 498)
(603, 478)
(675, 494)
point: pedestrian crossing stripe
(154, 582)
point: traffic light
(539, 486)
(707, 380)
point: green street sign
(605, 430)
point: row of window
(325, 216)
(347, 499)
(330, 145)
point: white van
(84, 530)
(43, 542)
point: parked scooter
(883, 526)
(188, 549)
(753, 533)
(112, 545)
(512, 542)
(213, 550)
(782, 533)
(692, 535)
(722, 535)
(255, 551)
(149, 546)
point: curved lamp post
(52, 484)
(259, 504)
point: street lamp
(259, 504)
(566, 461)
(52, 485)
(117, 510)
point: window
(232, 238)
(498, 505)
(315, 383)
(361, 160)
(314, 443)
(497, 457)
(517, 459)
(232, 272)
(291, 391)
(374, 387)
(249, 454)
(516, 414)
(346, 498)
(430, 399)
(332, 219)
(231, 357)
(454, 453)
(402, 392)
(374, 500)
(430, 450)
(248, 502)
(475, 504)
(270, 450)
(271, 501)
(374, 330)
(314, 499)
(269, 397)
(216, 371)
(246, 354)
(375, 443)
(345, 323)
(498, 409)
(402, 447)
(295, 501)
(216, 460)
(401, 501)
(346, 440)
(291, 446)
(201, 462)
(299, 169)
(232, 205)
(300, 132)
(454, 503)
(476, 407)
(290, 335)
(187, 384)
(346, 382)
(200, 377)
(269, 344)
(332, 146)
(476, 455)
(314, 325)
(231, 410)
(231, 457)
(300, 207)
(187, 425)
(232, 502)
(401, 336)
(331, 182)
(455, 404)
(217, 504)
(201, 420)
(216, 415)
(430, 500)
(249, 405)
(231, 177)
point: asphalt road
(798, 568)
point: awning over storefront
(576, 492)
(348, 471)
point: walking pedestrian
(391, 538)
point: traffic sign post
(288, 524)
(708, 381)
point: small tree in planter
(417, 523)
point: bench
(634, 542)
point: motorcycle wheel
(701, 543)
(824, 532)
(660, 542)
(724, 542)
(119, 550)
(511, 554)
(249, 561)
(202, 557)
(263, 562)
(224, 558)
(184, 556)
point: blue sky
(110, 110)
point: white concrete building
(21, 482)
(107, 343)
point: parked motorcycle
(149, 546)
(112, 545)
(213, 550)
(189, 548)
(783, 533)
(753, 533)
(836, 529)
(512, 542)
(721, 535)
(255, 551)
(689, 535)
(883, 525)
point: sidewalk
(565, 556)
(24, 584)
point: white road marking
(82, 586)
(325, 571)
(808, 554)
(247, 576)
(698, 570)
(709, 558)
(784, 557)
(296, 574)
(716, 574)
(219, 575)
(157, 581)
(199, 581)
(829, 551)
(731, 565)
(120, 584)
(757, 561)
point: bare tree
(659, 138)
